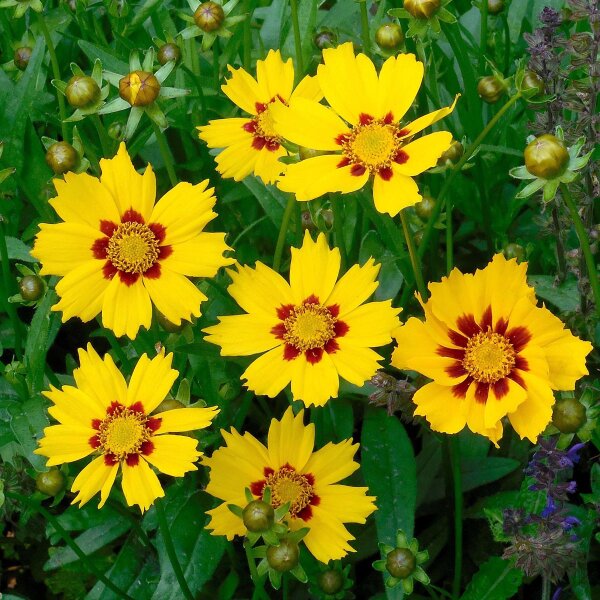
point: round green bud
(514, 251)
(168, 404)
(424, 209)
(82, 91)
(21, 57)
(258, 516)
(495, 7)
(31, 288)
(51, 482)
(325, 38)
(490, 89)
(169, 52)
(139, 88)
(546, 157)
(209, 16)
(389, 36)
(400, 563)
(422, 9)
(568, 415)
(452, 154)
(116, 130)
(532, 82)
(283, 558)
(61, 157)
(331, 581)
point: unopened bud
(424, 209)
(31, 288)
(495, 7)
(452, 154)
(546, 156)
(389, 36)
(331, 581)
(514, 251)
(61, 157)
(568, 415)
(325, 38)
(168, 52)
(258, 516)
(490, 89)
(82, 91)
(283, 558)
(21, 57)
(422, 9)
(51, 482)
(532, 83)
(139, 88)
(400, 563)
(209, 16)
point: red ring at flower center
(262, 126)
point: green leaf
(496, 579)
(110, 61)
(477, 471)
(17, 250)
(565, 296)
(28, 423)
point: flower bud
(325, 38)
(389, 36)
(400, 563)
(209, 16)
(424, 209)
(116, 130)
(331, 581)
(568, 415)
(514, 251)
(452, 154)
(139, 88)
(495, 7)
(61, 157)
(82, 91)
(169, 404)
(306, 221)
(21, 57)
(422, 9)
(283, 558)
(51, 482)
(258, 516)
(532, 83)
(168, 52)
(490, 89)
(546, 157)
(31, 288)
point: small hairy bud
(209, 16)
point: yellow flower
(104, 416)
(295, 474)
(251, 145)
(118, 253)
(361, 133)
(491, 352)
(312, 330)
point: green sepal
(275, 578)
(420, 575)
(379, 565)
(531, 188)
(299, 573)
(408, 585)
(521, 173)
(235, 509)
(391, 582)
(550, 190)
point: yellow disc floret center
(309, 326)
(289, 486)
(373, 145)
(133, 248)
(489, 357)
(265, 125)
(122, 433)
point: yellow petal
(308, 88)
(328, 538)
(274, 76)
(476, 417)
(314, 269)
(316, 383)
(347, 503)
(290, 441)
(497, 408)
(353, 363)
(267, 165)
(392, 195)
(200, 256)
(140, 485)
(238, 160)
(95, 477)
(221, 133)
(424, 153)
(354, 287)
(184, 211)
(186, 419)
(126, 308)
(441, 408)
(332, 463)
(243, 90)
(62, 247)
(151, 381)
(173, 455)
(64, 443)
(429, 119)
(73, 407)
(371, 324)
(174, 295)
(399, 81)
(269, 373)
(129, 189)
(224, 522)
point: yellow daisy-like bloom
(491, 353)
(361, 133)
(294, 473)
(312, 330)
(251, 145)
(118, 253)
(104, 416)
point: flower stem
(439, 205)
(6, 287)
(458, 510)
(364, 26)
(584, 242)
(297, 39)
(287, 215)
(414, 257)
(247, 45)
(483, 7)
(338, 226)
(105, 141)
(259, 591)
(35, 505)
(166, 155)
(545, 588)
(171, 552)
(55, 73)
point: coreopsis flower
(294, 473)
(491, 353)
(103, 416)
(251, 144)
(361, 134)
(118, 253)
(311, 331)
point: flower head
(310, 331)
(251, 145)
(118, 253)
(361, 133)
(491, 353)
(294, 474)
(103, 416)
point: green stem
(506, 42)
(171, 552)
(258, 581)
(584, 243)
(166, 155)
(449, 237)
(56, 74)
(414, 257)
(439, 205)
(247, 51)
(364, 27)
(338, 226)
(105, 141)
(483, 37)
(7, 281)
(70, 542)
(545, 588)
(289, 209)
(216, 68)
(297, 39)
(458, 510)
